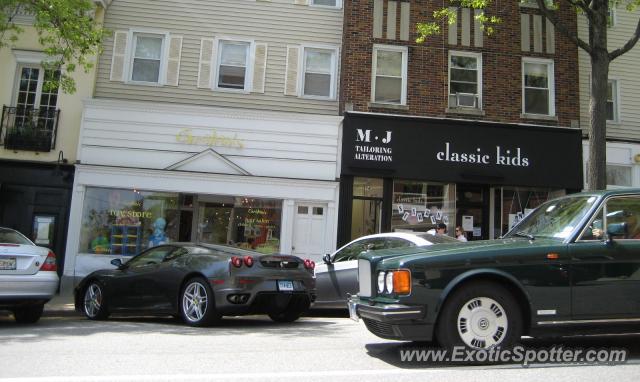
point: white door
(309, 231)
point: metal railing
(29, 129)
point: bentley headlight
(388, 281)
(380, 282)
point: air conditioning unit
(466, 100)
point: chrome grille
(364, 277)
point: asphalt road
(70, 349)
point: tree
(66, 29)
(597, 15)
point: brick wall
(428, 65)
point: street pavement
(64, 346)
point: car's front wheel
(197, 304)
(28, 314)
(480, 315)
(94, 303)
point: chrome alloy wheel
(92, 300)
(194, 302)
(482, 323)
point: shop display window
(125, 222)
(420, 206)
(242, 222)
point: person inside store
(460, 234)
(441, 229)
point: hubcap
(194, 302)
(482, 323)
(92, 300)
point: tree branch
(561, 27)
(630, 44)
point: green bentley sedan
(571, 266)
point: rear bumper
(260, 295)
(395, 321)
(27, 289)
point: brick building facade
(512, 84)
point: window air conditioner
(466, 100)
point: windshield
(555, 219)
(9, 236)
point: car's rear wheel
(293, 310)
(197, 303)
(480, 315)
(94, 303)
(28, 314)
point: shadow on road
(235, 326)
(391, 352)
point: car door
(605, 271)
(341, 278)
(138, 286)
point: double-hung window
(147, 57)
(538, 87)
(612, 100)
(389, 74)
(319, 73)
(465, 79)
(233, 65)
(327, 3)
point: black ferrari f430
(200, 283)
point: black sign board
(461, 151)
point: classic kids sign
(458, 151)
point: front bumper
(393, 321)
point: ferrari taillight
(49, 264)
(248, 261)
(309, 264)
(236, 261)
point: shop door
(472, 211)
(366, 217)
(309, 231)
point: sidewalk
(60, 306)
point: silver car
(336, 279)
(28, 276)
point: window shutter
(301, 2)
(173, 61)
(291, 75)
(259, 68)
(206, 63)
(118, 59)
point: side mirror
(116, 262)
(617, 229)
(327, 259)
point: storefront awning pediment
(208, 161)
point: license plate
(285, 286)
(8, 264)
(352, 311)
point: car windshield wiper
(522, 234)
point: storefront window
(514, 203)
(420, 206)
(124, 222)
(242, 222)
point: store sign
(212, 139)
(502, 156)
(456, 151)
(373, 147)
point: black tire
(197, 303)
(94, 301)
(489, 306)
(28, 314)
(292, 312)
